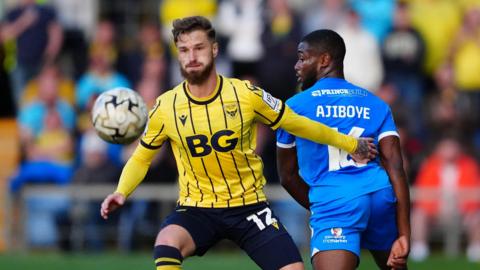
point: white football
(119, 115)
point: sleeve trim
(286, 145)
(280, 115)
(387, 133)
(149, 146)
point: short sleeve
(155, 133)
(268, 109)
(388, 127)
(285, 139)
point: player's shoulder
(242, 85)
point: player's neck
(332, 73)
(205, 88)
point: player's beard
(308, 81)
(197, 77)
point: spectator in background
(101, 75)
(241, 21)
(362, 51)
(38, 39)
(31, 116)
(437, 21)
(448, 173)
(281, 33)
(49, 72)
(375, 16)
(79, 20)
(49, 157)
(403, 51)
(149, 46)
(324, 14)
(447, 109)
(464, 57)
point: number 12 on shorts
(338, 158)
(257, 218)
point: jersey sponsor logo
(183, 119)
(230, 110)
(221, 141)
(274, 103)
(335, 92)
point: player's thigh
(381, 230)
(190, 229)
(338, 226)
(258, 231)
(335, 260)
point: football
(119, 115)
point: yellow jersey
(213, 140)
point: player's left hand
(399, 253)
(366, 150)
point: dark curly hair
(189, 24)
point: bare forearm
(298, 189)
(55, 39)
(392, 161)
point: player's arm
(392, 161)
(287, 167)
(361, 149)
(274, 113)
(137, 165)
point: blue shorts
(368, 221)
(254, 228)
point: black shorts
(254, 228)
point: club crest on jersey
(183, 119)
(336, 232)
(230, 110)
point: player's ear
(325, 59)
(215, 49)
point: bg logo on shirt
(199, 145)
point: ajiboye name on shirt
(342, 111)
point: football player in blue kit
(353, 205)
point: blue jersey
(330, 172)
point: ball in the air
(119, 115)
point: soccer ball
(119, 115)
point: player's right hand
(111, 203)
(366, 150)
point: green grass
(211, 261)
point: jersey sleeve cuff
(286, 145)
(387, 133)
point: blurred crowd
(421, 56)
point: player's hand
(366, 150)
(111, 203)
(399, 253)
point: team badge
(231, 110)
(337, 232)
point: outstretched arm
(362, 149)
(287, 167)
(392, 161)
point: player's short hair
(189, 24)
(329, 41)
